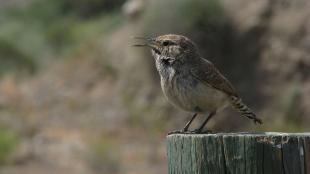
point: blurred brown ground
(79, 99)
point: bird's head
(169, 46)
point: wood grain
(239, 153)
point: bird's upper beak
(149, 42)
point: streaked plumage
(191, 82)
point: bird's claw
(179, 132)
(196, 131)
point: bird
(191, 82)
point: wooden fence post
(239, 153)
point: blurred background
(76, 98)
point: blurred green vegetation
(104, 154)
(203, 21)
(8, 143)
(88, 8)
(14, 60)
(187, 16)
(289, 105)
(146, 116)
(43, 29)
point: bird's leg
(185, 129)
(199, 130)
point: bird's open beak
(149, 42)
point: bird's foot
(199, 131)
(176, 132)
(196, 131)
(182, 131)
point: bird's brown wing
(209, 75)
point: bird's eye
(167, 42)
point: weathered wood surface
(239, 153)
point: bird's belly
(193, 96)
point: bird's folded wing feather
(210, 76)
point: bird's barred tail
(244, 109)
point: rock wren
(191, 82)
